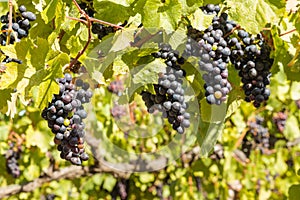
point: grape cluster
(214, 53)
(12, 155)
(102, 30)
(260, 135)
(279, 120)
(65, 114)
(169, 97)
(222, 43)
(211, 9)
(87, 6)
(116, 87)
(50, 197)
(99, 29)
(251, 56)
(298, 103)
(118, 111)
(120, 190)
(20, 25)
(218, 152)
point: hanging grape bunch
(12, 155)
(116, 87)
(214, 54)
(65, 116)
(20, 25)
(169, 97)
(223, 42)
(251, 56)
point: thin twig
(144, 40)
(88, 24)
(77, 19)
(105, 23)
(293, 30)
(240, 140)
(235, 28)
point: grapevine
(201, 99)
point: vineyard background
(220, 157)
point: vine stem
(293, 30)
(77, 19)
(144, 40)
(240, 140)
(235, 28)
(105, 23)
(88, 23)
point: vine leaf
(5, 96)
(283, 56)
(148, 73)
(74, 45)
(200, 21)
(208, 136)
(294, 192)
(9, 50)
(212, 113)
(43, 83)
(113, 12)
(259, 13)
(156, 14)
(40, 52)
(291, 130)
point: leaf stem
(105, 23)
(77, 19)
(88, 23)
(240, 140)
(293, 30)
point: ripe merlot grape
(65, 114)
(169, 94)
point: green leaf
(208, 135)
(291, 130)
(259, 13)
(39, 53)
(112, 12)
(294, 192)
(9, 50)
(39, 139)
(212, 113)
(283, 56)
(189, 6)
(148, 73)
(45, 79)
(74, 45)
(200, 21)
(5, 96)
(122, 40)
(177, 38)
(295, 91)
(161, 15)
(146, 177)
(50, 11)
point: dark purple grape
(22, 8)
